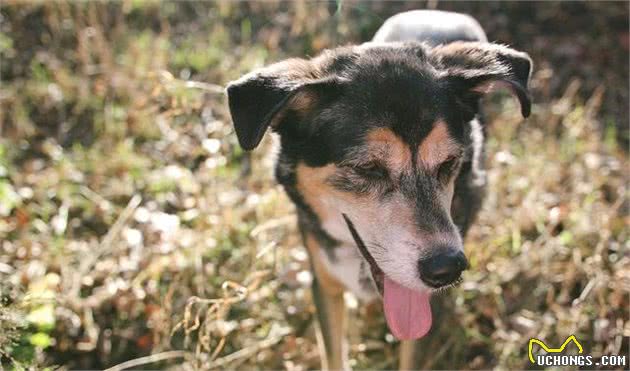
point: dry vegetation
(132, 225)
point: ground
(131, 224)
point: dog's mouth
(377, 272)
(407, 311)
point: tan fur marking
(398, 154)
(301, 103)
(320, 196)
(329, 284)
(437, 146)
(311, 183)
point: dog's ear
(264, 97)
(478, 68)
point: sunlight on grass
(127, 204)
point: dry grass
(131, 224)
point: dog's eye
(362, 179)
(371, 171)
(447, 168)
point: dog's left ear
(478, 68)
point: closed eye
(363, 178)
(447, 168)
(371, 170)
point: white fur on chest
(349, 268)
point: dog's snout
(443, 269)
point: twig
(95, 197)
(249, 351)
(166, 77)
(149, 359)
(213, 88)
(106, 243)
(587, 290)
(271, 224)
(447, 345)
(114, 231)
(92, 330)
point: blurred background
(133, 228)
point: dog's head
(376, 135)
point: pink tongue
(407, 311)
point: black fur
(405, 87)
(324, 109)
(348, 91)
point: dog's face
(373, 138)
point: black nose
(443, 269)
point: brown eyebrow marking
(438, 146)
(386, 147)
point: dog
(382, 153)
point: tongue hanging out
(408, 311)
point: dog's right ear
(263, 97)
(479, 67)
